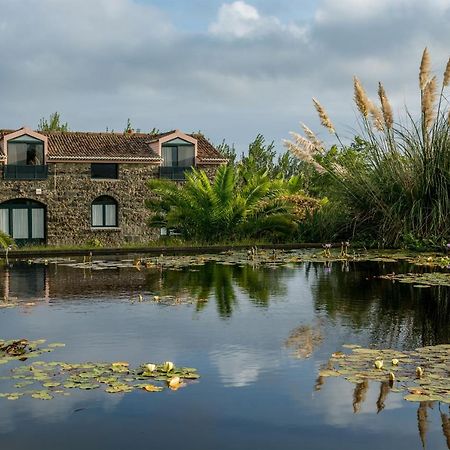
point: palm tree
(233, 206)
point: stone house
(64, 188)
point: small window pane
(20, 223)
(110, 215)
(37, 223)
(107, 171)
(186, 155)
(4, 220)
(168, 156)
(97, 215)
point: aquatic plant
(421, 374)
(44, 380)
(397, 181)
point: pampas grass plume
(324, 119)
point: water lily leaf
(417, 398)
(51, 384)
(23, 384)
(152, 388)
(88, 386)
(118, 388)
(191, 376)
(42, 395)
(56, 345)
(328, 373)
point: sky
(230, 69)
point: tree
(260, 156)
(53, 123)
(228, 151)
(227, 208)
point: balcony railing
(14, 172)
(174, 173)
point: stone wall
(68, 193)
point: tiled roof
(69, 145)
(206, 151)
(73, 145)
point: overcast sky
(229, 69)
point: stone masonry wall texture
(69, 191)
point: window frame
(31, 141)
(104, 201)
(176, 147)
(116, 171)
(28, 205)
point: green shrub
(394, 181)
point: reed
(398, 182)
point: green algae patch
(422, 374)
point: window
(178, 153)
(25, 159)
(25, 151)
(178, 157)
(23, 220)
(104, 212)
(105, 171)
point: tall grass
(398, 185)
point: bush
(394, 181)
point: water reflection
(252, 394)
(239, 366)
(303, 340)
(396, 315)
(221, 282)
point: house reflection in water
(22, 281)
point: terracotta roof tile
(73, 145)
(120, 146)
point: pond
(258, 336)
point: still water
(258, 337)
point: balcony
(23, 172)
(174, 173)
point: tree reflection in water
(259, 283)
(395, 315)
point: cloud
(247, 71)
(240, 19)
(239, 366)
(364, 11)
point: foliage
(129, 128)
(236, 204)
(228, 151)
(53, 123)
(6, 240)
(260, 156)
(394, 181)
(328, 222)
(263, 157)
